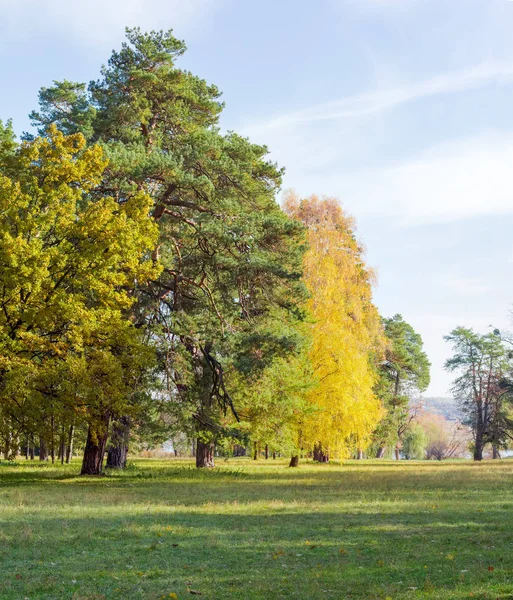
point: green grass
(359, 530)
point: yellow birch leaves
(346, 330)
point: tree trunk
(359, 454)
(62, 445)
(381, 452)
(69, 447)
(274, 455)
(118, 447)
(294, 461)
(397, 455)
(205, 454)
(52, 438)
(319, 455)
(266, 452)
(255, 453)
(43, 450)
(239, 450)
(496, 453)
(478, 446)
(92, 463)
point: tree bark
(294, 461)
(204, 454)
(118, 447)
(478, 446)
(266, 452)
(319, 455)
(496, 453)
(69, 447)
(92, 463)
(255, 452)
(62, 445)
(43, 450)
(239, 450)
(52, 439)
(359, 454)
(397, 455)
(381, 452)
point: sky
(401, 109)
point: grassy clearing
(245, 531)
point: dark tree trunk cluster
(97, 434)
(320, 455)
(239, 450)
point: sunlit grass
(258, 530)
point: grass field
(258, 530)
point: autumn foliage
(346, 330)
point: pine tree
(231, 259)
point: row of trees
(151, 284)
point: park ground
(161, 529)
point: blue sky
(400, 108)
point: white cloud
(98, 23)
(381, 100)
(448, 182)
(465, 286)
(469, 178)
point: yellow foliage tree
(347, 333)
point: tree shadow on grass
(114, 551)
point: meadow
(248, 530)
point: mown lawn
(258, 530)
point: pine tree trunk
(92, 463)
(69, 447)
(118, 447)
(204, 454)
(294, 461)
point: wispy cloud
(450, 181)
(98, 22)
(380, 100)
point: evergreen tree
(402, 376)
(231, 259)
